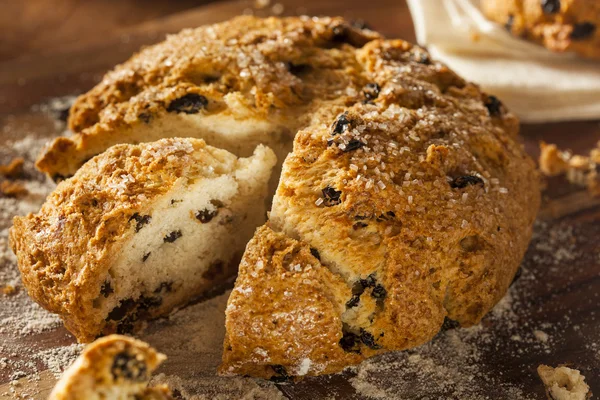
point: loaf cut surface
(140, 230)
(391, 215)
(112, 368)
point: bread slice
(140, 230)
(112, 368)
(390, 216)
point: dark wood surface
(56, 48)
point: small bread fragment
(579, 170)
(140, 230)
(563, 383)
(389, 217)
(112, 368)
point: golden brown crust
(273, 69)
(559, 25)
(115, 364)
(420, 202)
(65, 250)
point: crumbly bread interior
(112, 368)
(563, 383)
(196, 235)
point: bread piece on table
(390, 216)
(559, 25)
(140, 230)
(234, 84)
(563, 383)
(112, 368)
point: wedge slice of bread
(112, 368)
(140, 230)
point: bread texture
(559, 25)
(391, 215)
(112, 368)
(235, 84)
(140, 230)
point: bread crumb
(9, 290)
(579, 170)
(541, 336)
(13, 189)
(563, 383)
(14, 169)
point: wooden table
(57, 48)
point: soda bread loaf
(140, 230)
(392, 214)
(235, 84)
(112, 368)
(559, 25)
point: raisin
(331, 196)
(215, 269)
(449, 324)
(371, 91)
(493, 105)
(550, 6)
(350, 341)
(341, 124)
(379, 292)
(140, 220)
(353, 144)
(368, 282)
(145, 303)
(173, 236)
(340, 34)
(470, 243)
(128, 367)
(191, 103)
(119, 312)
(461, 182)
(106, 289)
(281, 374)
(359, 225)
(315, 253)
(145, 117)
(368, 339)
(353, 302)
(583, 30)
(298, 69)
(145, 256)
(509, 23)
(358, 288)
(206, 215)
(177, 395)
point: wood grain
(56, 48)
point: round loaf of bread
(391, 215)
(559, 25)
